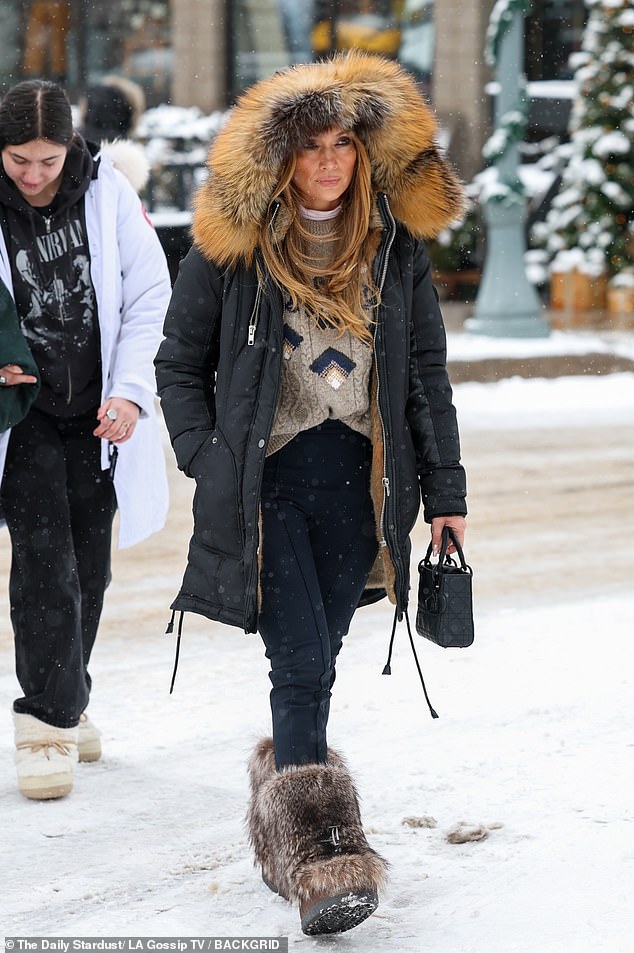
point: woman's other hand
(11, 374)
(117, 419)
(457, 523)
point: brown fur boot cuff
(305, 827)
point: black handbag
(445, 598)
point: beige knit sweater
(325, 375)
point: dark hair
(35, 109)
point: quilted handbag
(445, 597)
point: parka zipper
(385, 255)
(251, 592)
(252, 588)
(381, 276)
(253, 320)
(255, 314)
(382, 267)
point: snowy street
(530, 762)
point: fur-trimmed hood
(130, 159)
(358, 91)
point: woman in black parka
(303, 382)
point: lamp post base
(507, 304)
(529, 325)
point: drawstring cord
(387, 670)
(168, 631)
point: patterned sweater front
(325, 374)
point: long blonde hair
(341, 293)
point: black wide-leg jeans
(59, 506)
(318, 546)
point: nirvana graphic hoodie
(54, 295)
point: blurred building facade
(204, 52)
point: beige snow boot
(44, 757)
(89, 744)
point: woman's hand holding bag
(445, 598)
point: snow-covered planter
(577, 291)
(578, 281)
(620, 293)
(176, 141)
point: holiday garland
(512, 124)
(509, 132)
(500, 21)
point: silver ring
(111, 413)
(3, 380)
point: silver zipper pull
(386, 485)
(253, 320)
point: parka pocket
(216, 505)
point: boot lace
(35, 746)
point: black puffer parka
(218, 372)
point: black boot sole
(339, 913)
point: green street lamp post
(507, 304)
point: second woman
(90, 284)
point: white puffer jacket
(132, 287)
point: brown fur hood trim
(371, 95)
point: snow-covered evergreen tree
(591, 222)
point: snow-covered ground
(530, 761)
(473, 347)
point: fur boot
(305, 827)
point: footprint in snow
(463, 833)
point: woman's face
(36, 168)
(323, 169)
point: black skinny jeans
(59, 506)
(318, 547)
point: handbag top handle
(447, 534)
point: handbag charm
(445, 598)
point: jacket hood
(361, 92)
(130, 159)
